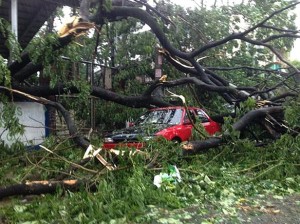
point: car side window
(175, 116)
(202, 116)
(192, 114)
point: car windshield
(164, 116)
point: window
(202, 116)
(192, 115)
(166, 116)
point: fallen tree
(254, 116)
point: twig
(255, 166)
(214, 158)
(42, 168)
(42, 159)
(267, 170)
(67, 161)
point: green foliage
(229, 133)
(121, 114)
(203, 25)
(220, 177)
(8, 119)
(45, 55)
(245, 107)
(10, 40)
(296, 63)
(55, 67)
(292, 113)
(107, 5)
(128, 195)
(5, 78)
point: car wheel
(176, 140)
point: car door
(186, 127)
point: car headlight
(108, 140)
(147, 138)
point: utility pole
(14, 17)
(14, 23)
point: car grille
(118, 140)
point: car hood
(136, 132)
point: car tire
(176, 140)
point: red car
(172, 123)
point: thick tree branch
(23, 69)
(195, 147)
(43, 187)
(66, 114)
(271, 48)
(282, 96)
(255, 114)
(279, 29)
(198, 83)
(142, 101)
(278, 36)
(240, 35)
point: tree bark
(43, 187)
(196, 147)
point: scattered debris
(76, 27)
(92, 152)
(170, 178)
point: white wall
(32, 116)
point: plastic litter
(171, 178)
